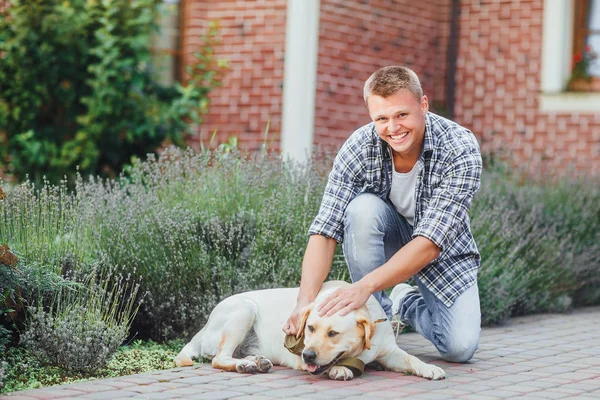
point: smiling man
(398, 199)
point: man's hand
(344, 300)
(292, 325)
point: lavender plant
(2, 365)
(85, 323)
(202, 226)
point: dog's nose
(309, 356)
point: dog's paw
(246, 366)
(183, 361)
(263, 364)
(340, 373)
(430, 371)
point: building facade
(503, 68)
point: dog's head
(328, 339)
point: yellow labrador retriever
(243, 334)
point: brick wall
(253, 41)
(497, 79)
(355, 38)
(498, 83)
(358, 37)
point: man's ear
(303, 321)
(368, 330)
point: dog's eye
(310, 328)
(332, 333)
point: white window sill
(583, 102)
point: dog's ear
(303, 321)
(368, 330)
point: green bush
(76, 88)
(201, 226)
(23, 370)
(198, 227)
(84, 325)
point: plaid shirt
(448, 178)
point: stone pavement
(554, 356)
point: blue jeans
(373, 233)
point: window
(166, 42)
(585, 68)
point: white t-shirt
(402, 193)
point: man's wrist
(367, 284)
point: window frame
(580, 34)
(178, 53)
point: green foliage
(84, 324)
(201, 226)
(76, 87)
(539, 245)
(23, 370)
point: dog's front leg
(400, 361)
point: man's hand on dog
(344, 300)
(292, 325)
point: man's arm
(315, 267)
(407, 261)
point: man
(398, 198)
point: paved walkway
(552, 356)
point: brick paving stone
(371, 397)
(343, 392)
(556, 369)
(513, 368)
(503, 394)
(548, 395)
(514, 378)
(431, 396)
(115, 384)
(138, 380)
(221, 395)
(171, 385)
(542, 384)
(569, 391)
(580, 386)
(527, 359)
(197, 380)
(109, 394)
(158, 396)
(147, 389)
(319, 396)
(251, 389)
(479, 397)
(577, 376)
(453, 391)
(188, 391)
(289, 392)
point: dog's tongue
(311, 367)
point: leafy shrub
(201, 226)
(23, 370)
(2, 365)
(84, 325)
(529, 260)
(76, 87)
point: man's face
(400, 121)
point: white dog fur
(243, 334)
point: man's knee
(364, 209)
(460, 349)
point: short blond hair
(388, 81)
